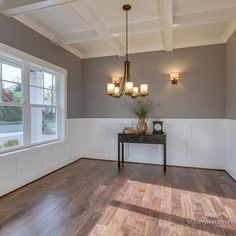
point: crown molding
(41, 30)
(229, 31)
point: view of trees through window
(11, 127)
(42, 105)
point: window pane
(11, 127)
(54, 98)
(40, 96)
(11, 73)
(36, 78)
(11, 92)
(43, 124)
(48, 83)
(47, 97)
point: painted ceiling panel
(191, 6)
(59, 19)
(112, 12)
(205, 34)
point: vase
(142, 126)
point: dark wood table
(138, 138)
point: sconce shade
(174, 77)
(143, 89)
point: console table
(138, 138)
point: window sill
(35, 146)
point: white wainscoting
(230, 134)
(190, 142)
(21, 167)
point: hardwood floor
(92, 197)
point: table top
(147, 134)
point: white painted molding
(34, 26)
(190, 142)
(113, 32)
(25, 57)
(85, 9)
(230, 140)
(229, 31)
(41, 30)
(19, 7)
(166, 11)
(210, 41)
(204, 18)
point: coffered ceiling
(94, 28)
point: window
(31, 104)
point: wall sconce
(174, 77)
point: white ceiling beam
(41, 30)
(113, 32)
(19, 7)
(85, 9)
(166, 13)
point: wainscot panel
(21, 167)
(230, 133)
(190, 142)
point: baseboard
(231, 173)
(141, 163)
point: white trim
(166, 12)
(86, 10)
(74, 51)
(26, 110)
(35, 26)
(41, 30)
(23, 57)
(229, 31)
(21, 148)
(21, 8)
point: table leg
(118, 153)
(122, 153)
(164, 157)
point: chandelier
(120, 86)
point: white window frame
(27, 62)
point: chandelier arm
(122, 87)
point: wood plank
(91, 197)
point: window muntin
(30, 107)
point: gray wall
(230, 61)
(17, 35)
(199, 94)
